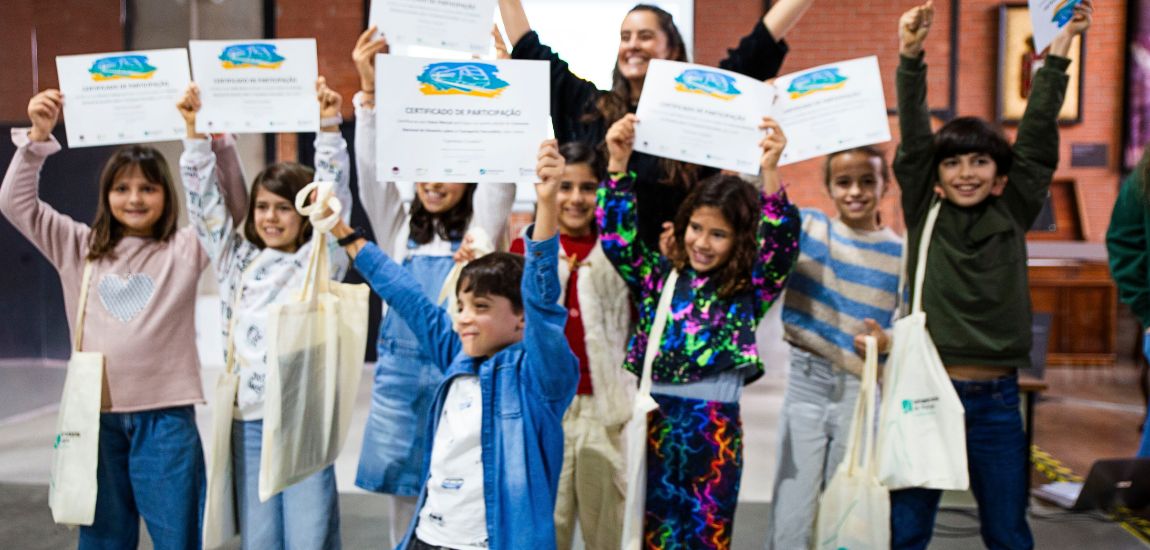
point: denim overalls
(394, 441)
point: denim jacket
(526, 389)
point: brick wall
(832, 31)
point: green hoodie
(1126, 241)
(976, 295)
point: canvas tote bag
(635, 433)
(316, 343)
(922, 430)
(72, 487)
(854, 510)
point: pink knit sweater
(141, 305)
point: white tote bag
(922, 429)
(635, 433)
(72, 488)
(854, 510)
(315, 358)
(221, 523)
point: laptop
(1112, 483)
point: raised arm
(60, 238)
(760, 54)
(332, 163)
(784, 15)
(552, 369)
(430, 323)
(207, 209)
(231, 175)
(1036, 147)
(779, 226)
(1127, 246)
(514, 20)
(913, 160)
(616, 212)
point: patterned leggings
(694, 462)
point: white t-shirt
(454, 514)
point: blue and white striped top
(842, 277)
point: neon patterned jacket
(706, 334)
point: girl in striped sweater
(844, 287)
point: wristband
(355, 235)
(331, 120)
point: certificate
(711, 117)
(460, 121)
(125, 97)
(1048, 17)
(256, 86)
(831, 108)
(463, 25)
(702, 115)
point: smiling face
(856, 185)
(135, 202)
(276, 221)
(968, 179)
(487, 323)
(576, 198)
(708, 240)
(640, 40)
(439, 197)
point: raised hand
(1083, 17)
(913, 27)
(364, 57)
(330, 103)
(188, 106)
(620, 143)
(772, 145)
(549, 168)
(44, 112)
(500, 46)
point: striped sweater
(842, 277)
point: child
(591, 486)
(140, 313)
(423, 240)
(844, 286)
(1126, 243)
(580, 111)
(976, 295)
(496, 445)
(733, 247)
(256, 268)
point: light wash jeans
(305, 515)
(816, 418)
(150, 464)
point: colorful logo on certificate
(708, 83)
(462, 78)
(251, 56)
(122, 66)
(1063, 11)
(821, 80)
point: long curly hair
(449, 225)
(738, 202)
(106, 229)
(617, 102)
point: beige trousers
(591, 485)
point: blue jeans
(1144, 447)
(305, 515)
(150, 464)
(997, 458)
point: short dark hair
(578, 152)
(738, 202)
(869, 151)
(106, 229)
(496, 274)
(969, 134)
(285, 179)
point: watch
(355, 235)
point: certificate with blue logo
(460, 121)
(125, 97)
(463, 25)
(1048, 17)
(256, 86)
(711, 117)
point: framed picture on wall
(1018, 63)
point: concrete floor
(1088, 413)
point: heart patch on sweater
(126, 298)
